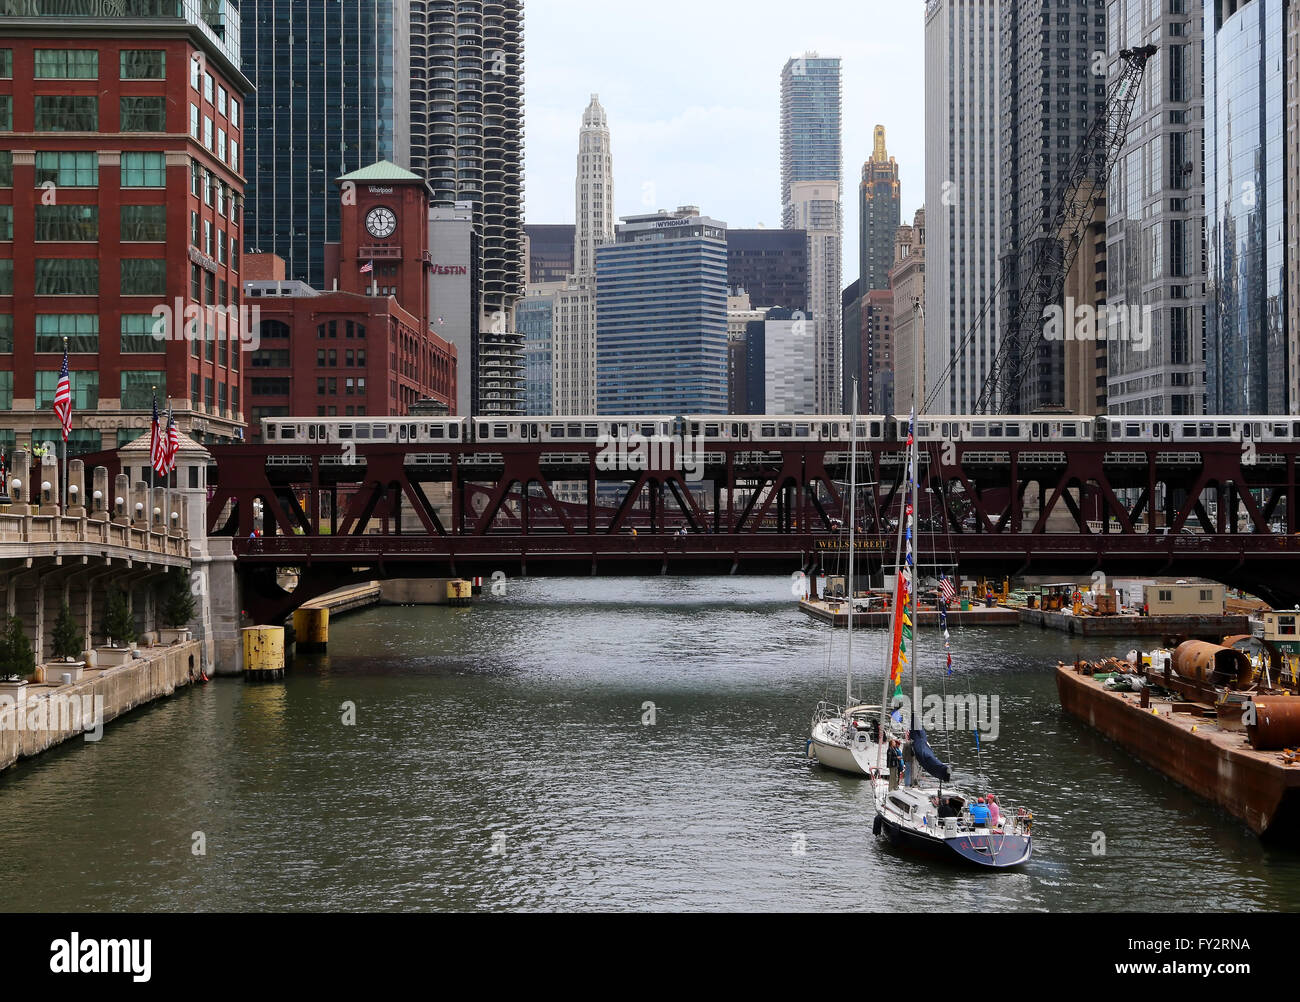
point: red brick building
(121, 197)
(365, 347)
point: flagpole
(153, 474)
(63, 510)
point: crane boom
(1073, 204)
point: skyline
(681, 142)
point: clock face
(381, 223)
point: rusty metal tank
(1277, 723)
(1211, 664)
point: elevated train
(593, 431)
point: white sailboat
(848, 738)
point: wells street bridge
(374, 512)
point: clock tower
(384, 236)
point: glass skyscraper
(661, 316)
(332, 95)
(535, 316)
(1245, 205)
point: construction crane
(1072, 206)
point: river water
(500, 759)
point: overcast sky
(692, 89)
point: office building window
(144, 170)
(6, 169)
(144, 277)
(85, 389)
(70, 276)
(66, 113)
(144, 223)
(67, 222)
(7, 399)
(143, 64)
(194, 121)
(143, 114)
(81, 330)
(66, 64)
(207, 132)
(137, 388)
(6, 276)
(6, 113)
(6, 333)
(138, 337)
(68, 170)
(6, 64)
(6, 222)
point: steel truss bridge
(530, 510)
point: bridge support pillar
(264, 654)
(311, 629)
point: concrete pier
(48, 715)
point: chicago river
(595, 745)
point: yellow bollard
(460, 594)
(311, 630)
(264, 654)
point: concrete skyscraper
(812, 159)
(879, 215)
(575, 303)
(466, 140)
(962, 195)
(1052, 85)
(1157, 193)
(880, 205)
(330, 96)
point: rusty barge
(1209, 728)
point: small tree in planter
(16, 658)
(178, 600)
(68, 638)
(119, 624)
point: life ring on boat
(862, 740)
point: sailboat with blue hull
(930, 817)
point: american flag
(173, 443)
(367, 268)
(63, 398)
(946, 589)
(157, 448)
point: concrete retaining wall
(49, 715)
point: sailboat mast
(918, 331)
(853, 538)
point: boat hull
(836, 758)
(987, 850)
(1253, 786)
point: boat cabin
(1282, 630)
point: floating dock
(837, 614)
(1137, 626)
(1186, 742)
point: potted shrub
(119, 628)
(177, 608)
(16, 662)
(68, 646)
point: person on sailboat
(895, 760)
(995, 813)
(909, 763)
(979, 814)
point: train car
(337, 431)
(1004, 428)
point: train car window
(1164, 431)
(345, 431)
(649, 430)
(500, 431)
(1013, 431)
(437, 431)
(1070, 430)
(767, 431)
(1223, 431)
(979, 430)
(285, 434)
(401, 433)
(1258, 430)
(862, 429)
(995, 431)
(711, 431)
(826, 432)
(802, 431)
(785, 430)
(557, 431)
(455, 433)
(1295, 430)
(588, 431)
(361, 431)
(1132, 430)
(875, 429)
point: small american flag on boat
(946, 589)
